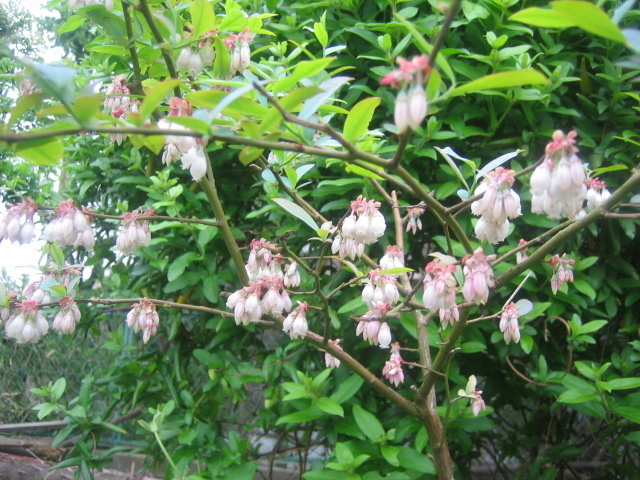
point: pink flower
(69, 314)
(29, 325)
(330, 360)
(392, 369)
(558, 183)
(509, 323)
(470, 392)
(440, 290)
(597, 193)
(363, 227)
(478, 277)
(414, 224)
(143, 316)
(134, 233)
(371, 325)
(17, 224)
(562, 271)
(296, 322)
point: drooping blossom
(291, 275)
(411, 102)
(135, 233)
(240, 51)
(34, 293)
(69, 314)
(558, 183)
(414, 223)
(509, 323)
(380, 288)
(143, 316)
(392, 258)
(521, 256)
(69, 226)
(17, 223)
(329, 360)
(29, 325)
(364, 226)
(373, 325)
(498, 203)
(597, 193)
(562, 271)
(296, 322)
(470, 392)
(478, 277)
(188, 149)
(392, 369)
(440, 291)
(119, 104)
(262, 262)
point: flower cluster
(373, 326)
(119, 104)
(440, 291)
(478, 277)
(562, 271)
(69, 314)
(392, 369)
(296, 322)
(380, 288)
(266, 292)
(470, 392)
(558, 183)
(184, 147)
(17, 224)
(238, 46)
(70, 227)
(411, 103)
(267, 295)
(143, 316)
(498, 203)
(135, 233)
(597, 193)
(509, 323)
(414, 223)
(392, 258)
(362, 227)
(329, 360)
(28, 325)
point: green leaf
(55, 80)
(113, 24)
(329, 406)
(396, 271)
(72, 23)
(86, 106)
(249, 154)
(526, 342)
(592, 326)
(630, 413)
(273, 117)
(202, 17)
(390, 454)
(308, 415)
(357, 123)
(347, 389)
(302, 70)
(58, 389)
(179, 265)
(624, 383)
(589, 17)
(412, 460)
(45, 151)
(363, 172)
(296, 211)
(325, 475)
(155, 95)
(233, 105)
(539, 17)
(321, 34)
(515, 78)
(583, 287)
(368, 424)
(576, 396)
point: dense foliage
(563, 398)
